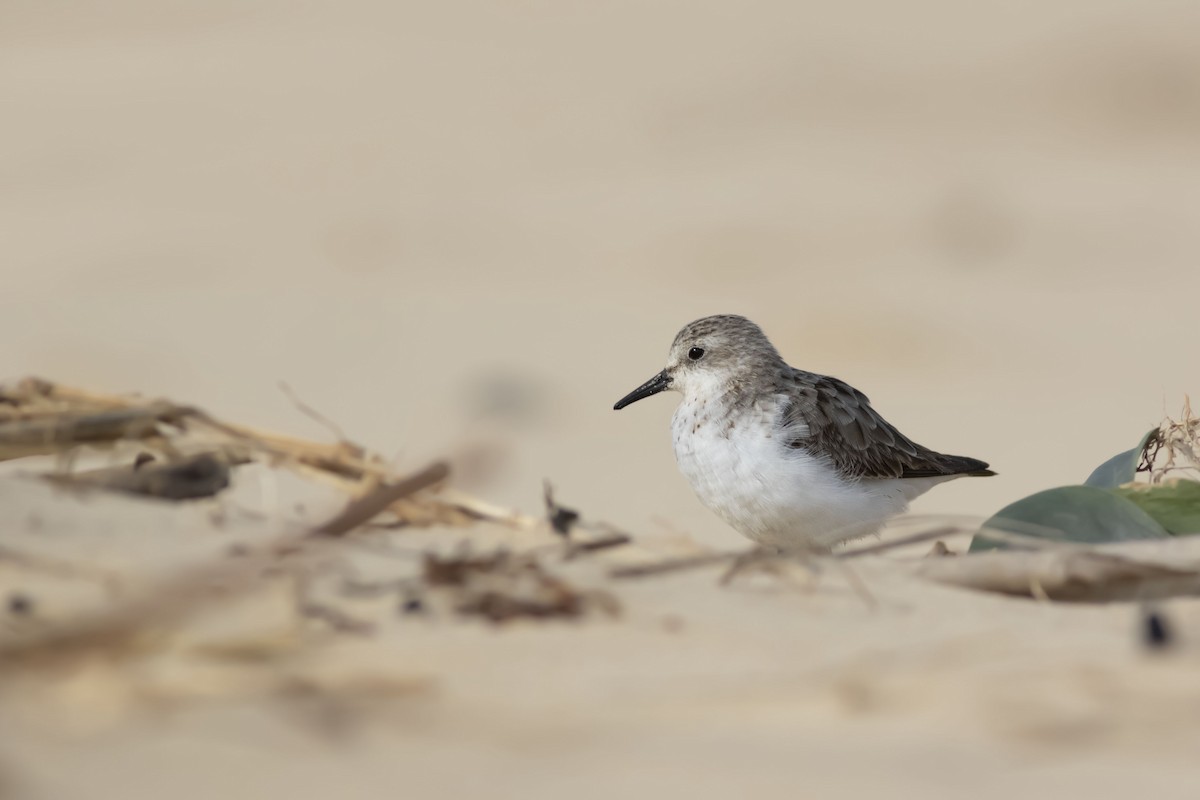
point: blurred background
(446, 223)
(454, 224)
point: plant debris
(382, 498)
(1174, 448)
(502, 586)
(561, 518)
(178, 452)
(198, 451)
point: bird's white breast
(742, 468)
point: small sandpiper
(791, 459)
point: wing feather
(841, 425)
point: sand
(466, 224)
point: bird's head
(710, 355)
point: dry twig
(365, 508)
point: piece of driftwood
(194, 477)
(1103, 573)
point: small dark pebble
(412, 605)
(20, 604)
(1156, 633)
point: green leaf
(1119, 469)
(1072, 514)
(1173, 504)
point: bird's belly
(775, 494)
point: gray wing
(844, 428)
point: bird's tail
(968, 467)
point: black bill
(659, 383)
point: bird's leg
(769, 560)
(754, 557)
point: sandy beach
(466, 230)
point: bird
(792, 460)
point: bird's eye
(696, 353)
